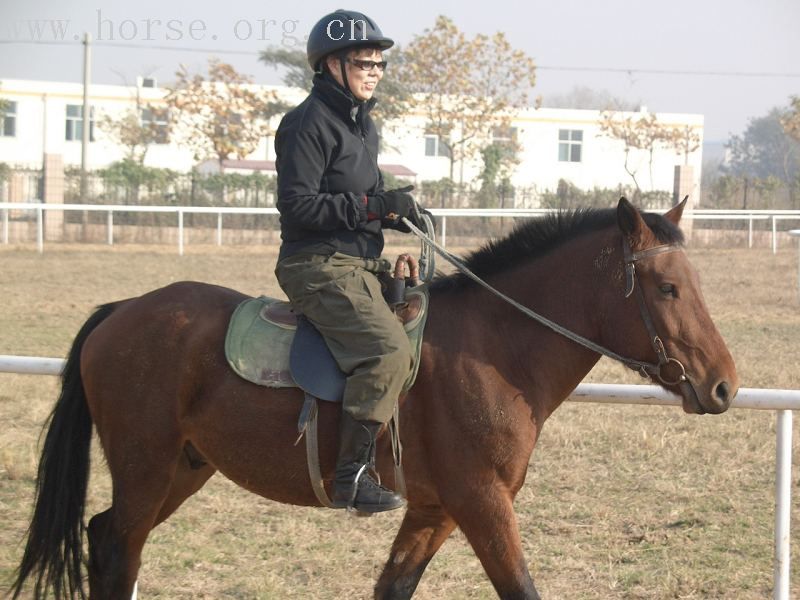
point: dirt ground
(620, 501)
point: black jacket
(327, 150)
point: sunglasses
(367, 65)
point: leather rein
(645, 369)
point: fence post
(774, 235)
(180, 233)
(5, 226)
(783, 503)
(219, 229)
(796, 233)
(750, 232)
(110, 228)
(444, 231)
(40, 230)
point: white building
(555, 144)
(44, 118)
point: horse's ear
(674, 214)
(629, 219)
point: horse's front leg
(423, 531)
(486, 516)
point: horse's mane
(540, 235)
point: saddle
(269, 344)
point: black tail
(54, 550)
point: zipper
(358, 123)
(374, 161)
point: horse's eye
(668, 290)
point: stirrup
(352, 501)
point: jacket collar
(340, 100)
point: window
(435, 147)
(430, 145)
(155, 121)
(569, 145)
(228, 124)
(8, 122)
(504, 136)
(75, 123)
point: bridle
(645, 369)
(664, 360)
(630, 259)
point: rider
(333, 207)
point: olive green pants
(341, 296)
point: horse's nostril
(722, 391)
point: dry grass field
(620, 501)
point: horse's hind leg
(113, 556)
(422, 533)
(189, 478)
(117, 535)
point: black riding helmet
(339, 31)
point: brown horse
(150, 373)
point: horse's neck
(543, 365)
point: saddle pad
(258, 348)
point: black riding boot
(354, 486)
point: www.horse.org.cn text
(106, 28)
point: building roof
(398, 170)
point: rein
(643, 368)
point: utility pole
(87, 38)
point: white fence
(751, 216)
(781, 401)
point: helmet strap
(343, 68)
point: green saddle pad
(260, 336)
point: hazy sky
(740, 37)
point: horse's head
(662, 287)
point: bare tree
(294, 62)
(222, 116)
(791, 120)
(465, 87)
(641, 131)
(683, 140)
(138, 128)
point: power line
(670, 72)
(621, 70)
(49, 43)
(136, 46)
(181, 49)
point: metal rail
(443, 213)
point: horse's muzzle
(721, 396)
(714, 401)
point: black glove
(391, 206)
(415, 216)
